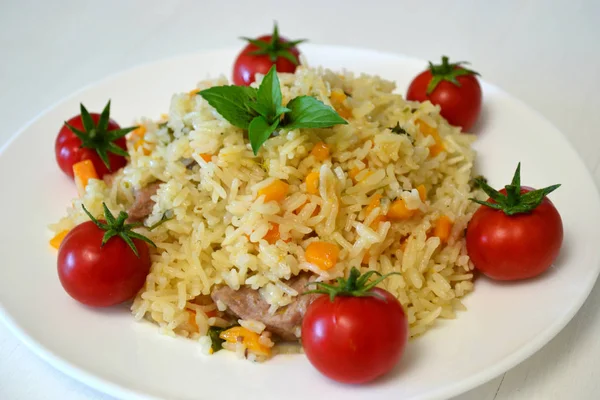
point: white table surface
(543, 52)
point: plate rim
(106, 386)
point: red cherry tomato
(247, 64)
(514, 247)
(459, 96)
(355, 339)
(68, 148)
(101, 276)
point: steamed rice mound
(216, 236)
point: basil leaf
(259, 131)
(214, 333)
(308, 112)
(269, 95)
(233, 103)
(261, 109)
(280, 110)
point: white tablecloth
(543, 52)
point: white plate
(106, 349)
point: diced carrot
(272, 235)
(139, 132)
(58, 238)
(337, 96)
(322, 254)
(315, 212)
(320, 151)
(206, 157)
(373, 204)
(344, 112)
(443, 227)
(247, 338)
(398, 210)
(83, 171)
(139, 143)
(422, 192)
(275, 191)
(312, 182)
(337, 100)
(427, 130)
(365, 259)
(212, 313)
(192, 320)
(403, 245)
(377, 220)
(353, 172)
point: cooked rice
(216, 235)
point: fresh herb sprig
(260, 111)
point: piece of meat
(110, 178)
(247, 303)
(143, 204)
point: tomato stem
(356, 285)
(97, 136)
(447, 71)
(513, 202)
(117, 227)
(276, 47)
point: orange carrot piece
(377, 220)
(273, 235)
(247, 338)
(353, 172)
(139, 132)
(365, 259)
(312, 182)
(192, 320)
(443, 227)
(399, 211)
(83, 171)
(58, 238)
(422, 192)
(427, 130)
(322, 254)
(338, 97)
(275, 191)
(320, 151)
(373, 204)
(206, 157)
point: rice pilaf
(343, 186)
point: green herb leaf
(216, 343)
(308, 112)
(233, 103)
(475, 183)
(269, 95)
(259, 131)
